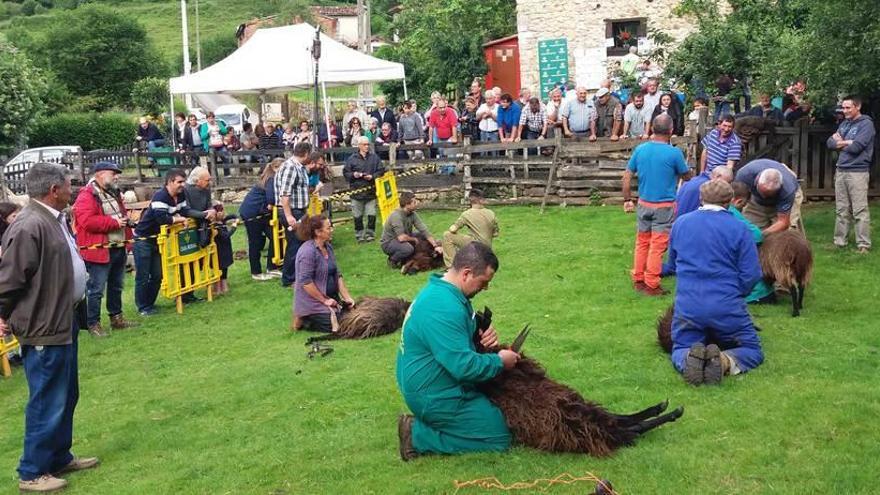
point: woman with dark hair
(8, 212)
(355, 130)
(320, 294)
(255, 211)
(670, 106)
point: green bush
(89, 130)
(150, 95)
(28, 7)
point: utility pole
(198, 40)
(364, 41)
(187, 65)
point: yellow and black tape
(414, 171)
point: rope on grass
(541, 484)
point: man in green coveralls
(438, 366)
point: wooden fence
(555, 171)
(803, 148)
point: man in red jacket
(102, 229)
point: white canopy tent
(278, 60)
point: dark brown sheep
(370, 317)
(547, 415)
(787, 259)
(424, 258)
(664, 331)
(750, 126)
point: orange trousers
(648, 257)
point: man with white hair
(716, 262)
(487, 114)
(383, 114)
(361, 170)
(776, 196)
(688, 197)
(577, 116)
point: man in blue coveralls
(716, 262)
(438, 366)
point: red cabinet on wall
(502, 57)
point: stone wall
(582, 22)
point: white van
(235, 116)
(15, 170)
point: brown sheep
(787, 259)
(547, 415)
(370, 317)
(424, 258)
(750, 126)
(664, 331)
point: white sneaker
(43, 484)
(262, 277)
(274, 273)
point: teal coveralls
(437, 368)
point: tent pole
(405, 95)
(326, 111)
(171, 113)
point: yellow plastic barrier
(5, 348)
(279, 240)
(386, 195)
(316, 205)
(185, 266)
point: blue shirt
(578, 114)
(658, 166)
(718, 152)
(784, 199)
(258, 200)
(508, 117)
(688, 197)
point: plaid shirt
(292, 180)
(533, 120)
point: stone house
(596, 33)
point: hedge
(91, 131)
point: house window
(625, 33)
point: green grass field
(222, 400)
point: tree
(98, 52)
(441, 42)
(150, 95)
(214, 49)
(21, 98)
(833, 45)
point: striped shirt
(292, 180)
(719, 151)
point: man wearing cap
(608, 118)
(716, 262)
(102, 235)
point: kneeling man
(716, 262)
(403, 229)
(480, 222)
(438, 366)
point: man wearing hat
(609, 115)
(716, 262)
(102, 231)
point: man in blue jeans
(101, 234)
(292, 196)
(167, 206)
(42, 283)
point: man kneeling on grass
(479, 220)
(402, 230)
(438, 365)
(716, 263)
